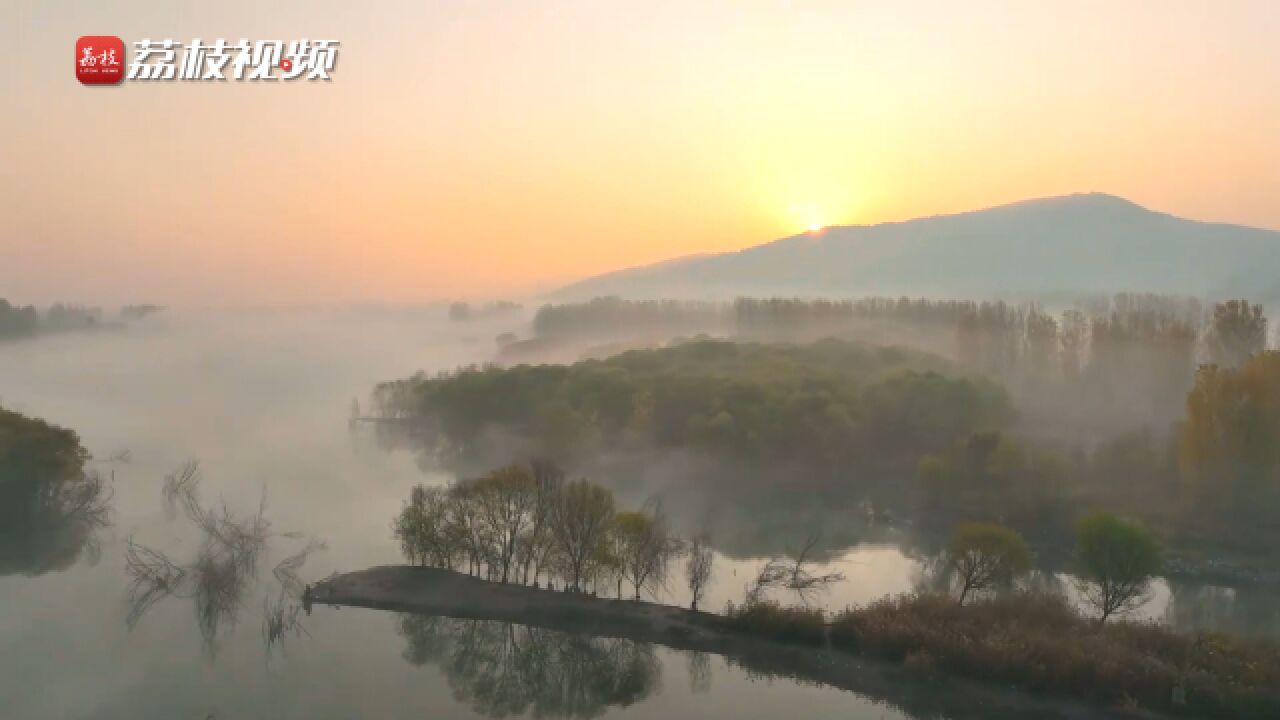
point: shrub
(1041, 643)
(798, 625)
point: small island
(522, 545)
(448, 593)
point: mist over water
(262, 401)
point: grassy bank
(1041, 644)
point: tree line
(824, 406)
(17, 320)
(916, 433)
(1211, 482)
(1143, 348)
(527, 524)
(605, 317)
(24, 321)
(462, 311)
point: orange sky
(480, 149)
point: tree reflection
(51, 507)
(503, 669)
(220, 576)
(699, 672)
(1245, 611)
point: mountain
(1074, 243)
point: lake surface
(261, 400)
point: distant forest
(1158, 407)
(24, 321)
(1131, 356)
(823, 406)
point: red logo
(99, 60)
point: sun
(808, 217)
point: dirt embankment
(434, 591)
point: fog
(261, 400)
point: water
(261, 401)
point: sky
(476, 149)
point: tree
(1238, 330)
(1073, 337)
(51, 507)
(698, 568)
(983, 556)
(17, 321)
(1117, 561)
(793, 575)
(538, 542)
(428, 529)
(645, 548)
(410, 527)
(611, 555)
(505, 502)
(1230, 445)
(581, 518)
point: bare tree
(180, 490)
(152, 577)
(281, 618)
(286, 571)
(793, 574)
(772, 574)
(698, 568)
(224, 569)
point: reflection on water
(263, 402)
(504, 670)
(47, 526)
(218, 578)
(1243, 611)
(699, 672)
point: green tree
(50, 506)
(983, 556)
(1117, 562)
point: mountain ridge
(1082, 242)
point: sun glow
(808, 216)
